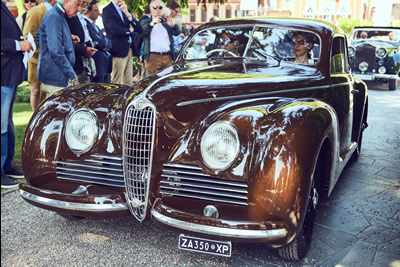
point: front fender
(44, 141)
(286, 152)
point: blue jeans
(8, 94)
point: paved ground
(358, 226)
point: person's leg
(8, 94)
(153, 64)
(128, 69)
(35, 95)
(34, 84)
(50, 89)
(117, 70)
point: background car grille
(365, 53)
(138, 146)
(100, 169)
(188, 181)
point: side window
(339, 63)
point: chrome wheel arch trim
(219, 231)
(72, 205)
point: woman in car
(302, 47)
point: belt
(161, 53)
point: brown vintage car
(236, 142)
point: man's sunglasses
(300, 42)
(159, 7)
(27, 1)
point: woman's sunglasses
(300, 42)
(27, 1)
(159, 7)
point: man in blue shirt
(57, 56)
(12, 74)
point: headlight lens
(220, 145)
(381, 52)
(351, 51)
(363, 66)
(81, 131)
(382, 70)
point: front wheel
(392, 85)
(300, 245)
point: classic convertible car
(236, 142)
(375, 54)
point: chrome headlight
(382, 70)
(351, 51)
(220, 145)
(81, 131)
(363, 66)
(381, 52)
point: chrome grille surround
(188, 181)
(99, 169)
(138, 142)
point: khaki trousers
(50, 89)
(157, 63)
(122, 71)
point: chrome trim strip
(72, 205)
(209, 198)
(204, 100)
(87, 168)
(219, 231)
(212, 191)
(177, 165)
(206, 179)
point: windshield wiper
(265, 55)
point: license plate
(220, 248)
(365, 77)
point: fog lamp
(382, 70)
(363, 66)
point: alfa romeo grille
(138, 145)
(99, 169)
(188, 181)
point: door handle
(354, 91)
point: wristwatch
(151, 24)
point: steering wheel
(221, 50)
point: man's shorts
(32, 69)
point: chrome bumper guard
(219, 231)
(101, 207)
(371, 77)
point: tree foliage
(137, 6)
(347, 24)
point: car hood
(199, 83)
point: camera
(163, 19)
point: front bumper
(80, 205)
(374, 76)
(245, 231)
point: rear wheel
(392, 84)
(299, 246)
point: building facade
(382, 12)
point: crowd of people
(71, 49)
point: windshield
(377, 34)
(261, 43)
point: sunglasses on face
(300, 42)
(27, 1)
(159, 7)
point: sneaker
(7, 182)
(13, 173)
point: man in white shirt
(158, 43)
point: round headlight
(81, 131)
(220, 145)
(382, 70)
(363, 66)
(351, 51)
(381, 52)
